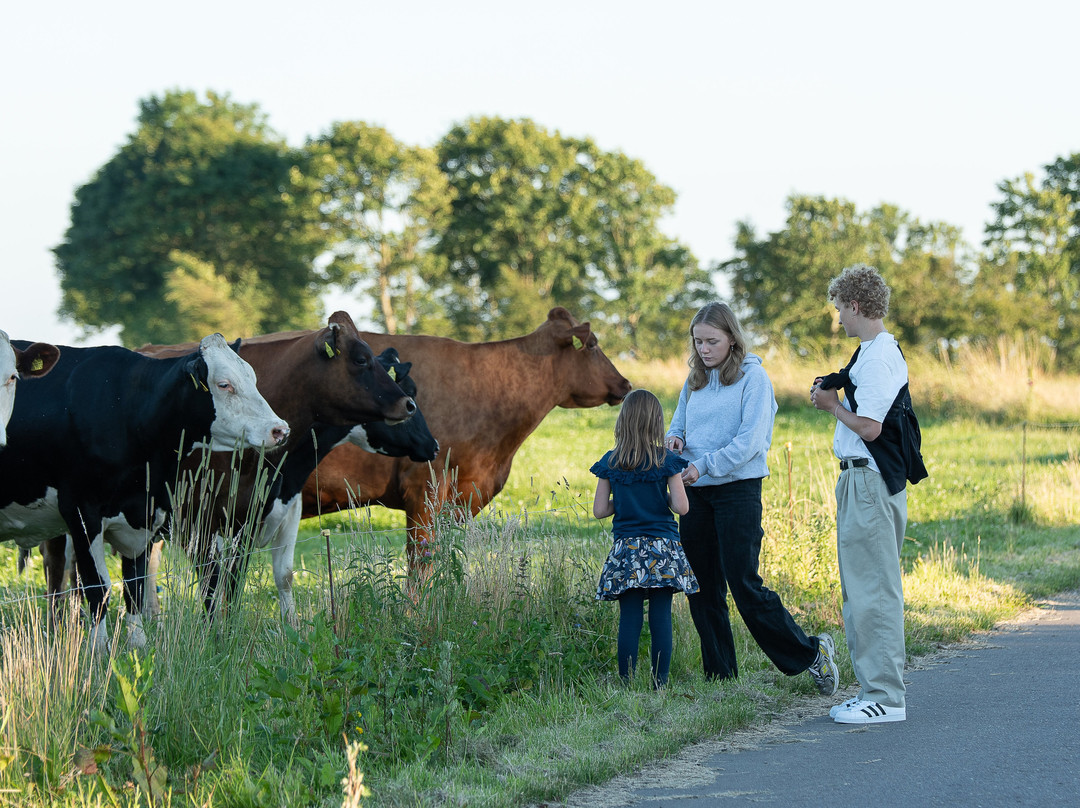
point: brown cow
(323, 380)
(481, 400)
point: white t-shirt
(878, 374)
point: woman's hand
(690, 475)
(674, 444)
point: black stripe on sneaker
(873, 711)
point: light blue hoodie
(727, 429)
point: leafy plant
(126, 725)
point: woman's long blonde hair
(639, 432)
(719, 316)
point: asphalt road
(991, 722)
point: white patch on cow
(9, 375)
(97, 552)
(241, 415)
(127, 540)
(29, 525)
(358, 437)
(279, 530)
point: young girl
(640, 484)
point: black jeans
(721, 534)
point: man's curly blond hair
(863, 284)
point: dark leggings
(631, 620)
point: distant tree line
(207, 220)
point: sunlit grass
(495, 684)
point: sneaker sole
(860, 718)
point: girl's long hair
(719, 316)
(639, 432)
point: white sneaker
(847, 705)
(868, 712)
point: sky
(926, 105)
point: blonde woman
(639, 483)
(723, 426)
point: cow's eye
(12, 379)
(226, 386)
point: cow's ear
(236, 346)
(559, 313)
(402, 369)
(198, 370)
(327, 345)
(580, 337)
(37, 360)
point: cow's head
(355, 389)
(242, 418)
(411, 439)
(589, 376)
(37, 360)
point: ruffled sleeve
(601, 467)
(672, 465)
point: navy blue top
(640, 496)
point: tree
(649, 281)
(781, 281)
(1031, 278)
(541, 220)
(201, 184)
(386, 204)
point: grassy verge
(496, 684)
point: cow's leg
(134, 570)
(234, 570)
(284, 522)
(90, 564)
(152, 603)
(55, 561)
(208, 570)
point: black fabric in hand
(834, 381)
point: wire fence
(185, 578)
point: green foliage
(1030, 281)
(781, 281)
(200, 186)
(386, 204)
(541, 220)
(125, 724)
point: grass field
(497, 685)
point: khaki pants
(870, 528)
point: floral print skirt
(645, 562)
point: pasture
(496, 686)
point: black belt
(854, 463)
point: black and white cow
(94, 447)
(37, 360)
(320, 423)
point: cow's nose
(410, 407)
(279, 434)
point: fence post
(1023, 466)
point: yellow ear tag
(578, 344)
(194, 381)
(392, 373)
(37, 364)
(329, 349)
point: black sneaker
(824, 671)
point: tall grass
(494, 683)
